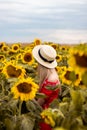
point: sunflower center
(67, 75)
(10, 52)
(63, 48)
(37, 42)
(1, 70)
(81, 83)
(12, 72)
(5, 48)
(54, 46)
(15, 47)
(28, 57)
(24, 87)
(1, 45)
(81, 60)
(1, 57)
(57, 57)
(77, 76)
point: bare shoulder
(53, 77)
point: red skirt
(44, 126)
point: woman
(45, 55)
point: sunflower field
(19, 88)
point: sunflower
(59, 128)
(2, 57)
(55, 46)
(35, 65)
(1, 69)
(59, 58)
(37, 42)
(69, 76)
(2, 44)
(78, 58)
(77, 79)
(13, 71)
(13, 57)
(19, 56)
(27, 48)
(10, 52)
(60, 69)
(28, 57)
(48, 117)
(82, 85)
(15, 47)
(5, 48)
(64, 47)
(49, 120)
(25, 89)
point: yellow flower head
(1, 69)
(15, 47)
(28, 57)
(78, 58)
(59, 58)
(2, 44)
(48, 117)
(68, 76)
(12, 70)
(49, 120)
(25, 89)
(37, 41)
(2, 57)
(59, 128)
(19, 56)
(55, 46)
(5, 48)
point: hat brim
(39, 60)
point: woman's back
(52, 75)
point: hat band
(44, 58)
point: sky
(58, 21)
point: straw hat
(45, 55)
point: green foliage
(84, 78)
(72, 76)
(70, 108)
(72, 104)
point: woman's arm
(41, 101)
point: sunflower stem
(20, 106)
(3, 89)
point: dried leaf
(27, 123)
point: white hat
(45, 55)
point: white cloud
(28, 5)
(17, 11)
(70, 36)
(22, 7)
(52, 35)
(43, 14)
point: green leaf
(64, 106)
(84, 78)
(40, 95)
(77, 99)
(12, 80)
(54, 103)
(9, 124)
(30, 106)
(72, 76)
(52, 88)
